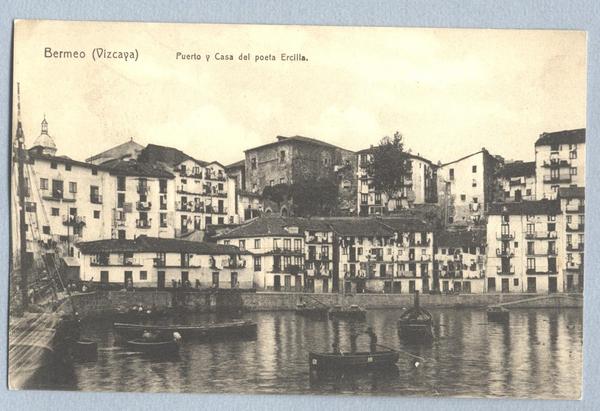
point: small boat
(208, 330)
(416, 323)
(312, 312)
(154, 348)
(351, 361)
(353, 312)
(497, 313)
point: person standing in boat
(373, 337)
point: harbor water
(538, 354)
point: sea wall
(110, 302)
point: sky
(450, 92)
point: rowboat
(416, 323)
(84, 350)
(154, 348)
(311, 312)
(208, 330)
(349, 361)
(498, 313)
(353, 312)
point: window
(528, 192)
(551, 217)
(226, 242)
(96, 213)
(516, 282)
(120, 200)
(53, 165)
(46, 229)
(94, 171)
(297, 244)
(282, 156)
(242, 244)
(463, 197)
(573, 154)
(281, 180)
(451, 173)
(143, 275)
(378, 198)
(364, 198)
(287, 244)
(475, 200)
(163, 219)
(272, 183)
(253, 163)
(276, 243)
(474, 169)
(183, 181)
(43, 183)
(531, 264)
(121, 183)
(573, 171)
(474, 183)
(257, 263)
(554, 147)
(569, 219)
(55, 211)
(68, 167)
(530, 248)
(254, 187)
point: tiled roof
(35, 155)
(518, 169)
(118, 151)
(168, 155)
(365, 227)
(297, 139)
(410, 155)
(237, 164)
(136, 168)
(571, 192)
(540, 207)
(153, 244)
(404, 224)
(261, 227)
(461, 238)
(562, 137)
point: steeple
(44, 144)
(44, 125)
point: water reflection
(537, 354)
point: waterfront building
(468, 187)
(525, 247)
(572, 204)
(419, 186)
(158, 262)
(277, 248)
(517, 181)
(459, 261)
(297, 158)
(559, 161)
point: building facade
(517, 181)
(419, 186)
(572, 204)
(559, 162)
(525, 247)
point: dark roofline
(237, 164)
(143, 244)
(565, 136)
(100, 155)
(65, 160)
(188, 157)
(293, 140)
(483, 150)
(411, 155)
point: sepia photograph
(305, 210)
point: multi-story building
(66, 199)
(159, 262)
(559, 161)
(277, 248)
(468, 187)
(129, 150)
(517, 181)
(525, 251)
(248, 205)
(293, 159)
(459, 261)
(572, 204)
(418, 187)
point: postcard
(265, 209)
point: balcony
(505, 236)
(419, 243)
(575, 247)
(533, 271)
(57, 196)
(96, 199)
(233, 264)
(557, 179)
(504, 253)
(143, 224)
(541, 235)
(73, 220)
(556, 163)
(505, 270)
(575, 227)
(143, 205)
(575, 208)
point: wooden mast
(21, 192)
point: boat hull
(238, 329)
(361, 360)
(154, 348)
(315, 313)
(415, 330)
(358, 315)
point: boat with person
(241, 328)
(416, 323)
(352, 312)
(498, 313)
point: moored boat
(208, 330)
(84, 350)
(416, 323)
(311, 312)
(349, 361)
(498, 313)
(353, 312)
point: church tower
(44, 144)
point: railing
(576, 227)
(139, 223)
(505, 270)
(235, 264)
(577, 247)
(540, 235)
(143, 205)
(557, 179)
(96, 198)
(504, 253)
(73, 220)
(505, 236)
(555, 162)
(533, 271)
(571, 265)
(59, 197)
(575, 208)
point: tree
(389, 166)
(314, 196)
(277, 193)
